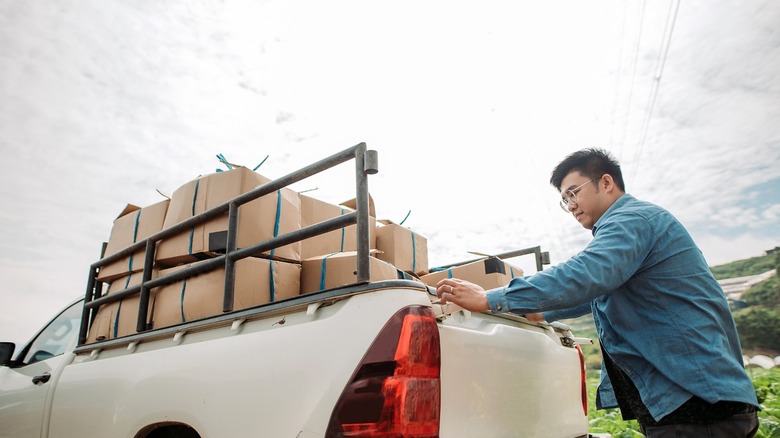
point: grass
(766, 382)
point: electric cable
(671, 18)
(618, 75)
(640, 20)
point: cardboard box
(202, 296)
(121, 318)
(314, 211)
(133, 225)
(490, 273)
(401, 247)
(340, 269)
(262, 219)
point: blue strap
(119, 307)
(414, 255)
(261, 163)
(181, 300)
(278, 216)
(116, 318)
(405, 218)
(511, 272)
(342, 234)
(271, 286)
(192, 230)
(449, 272)
(322, 271)
(224, 161)
(135, 237)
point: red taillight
(395, 391)
(583, 381)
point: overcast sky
(469, 104)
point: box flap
(128, 209)
(352, 203)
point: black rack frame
(366, 163)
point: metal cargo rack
(366, 163)
(542, 257)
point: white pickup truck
(370, 359)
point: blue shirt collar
(624, 198)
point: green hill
(751, 266)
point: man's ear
(609, 183)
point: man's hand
(463, 293)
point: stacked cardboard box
(133, 225)
(314, 211)
(259, 220)
(402, 247)
(490, 273)
(258, 281)
(340, 269)
(321, 262)
(119, 318)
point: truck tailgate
(504, 377)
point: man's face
(589, 202)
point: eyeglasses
(570, 196)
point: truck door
(26, 384)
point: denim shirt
(659, 312)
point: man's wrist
(496, 300)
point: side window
(53, 340)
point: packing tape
(192, 230)
(323, 269)
(342, 233)
(135, 238)
(181, 300)
(278, 217)
(414, 254)
(271, 281)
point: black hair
(591, 163)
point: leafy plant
(758, 327)
(607, 420)
(766, 293)
(766, 382)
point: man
(671, 355)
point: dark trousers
(737, 426)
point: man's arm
(616, 252)
(575, 312)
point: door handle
(43, 378)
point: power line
(640, 20)
(671, 18)
(619, 74)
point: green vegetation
(766, 382)
(764, 294)
(759, 329)
(751, 266)
(607, 420)
(758, 323)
